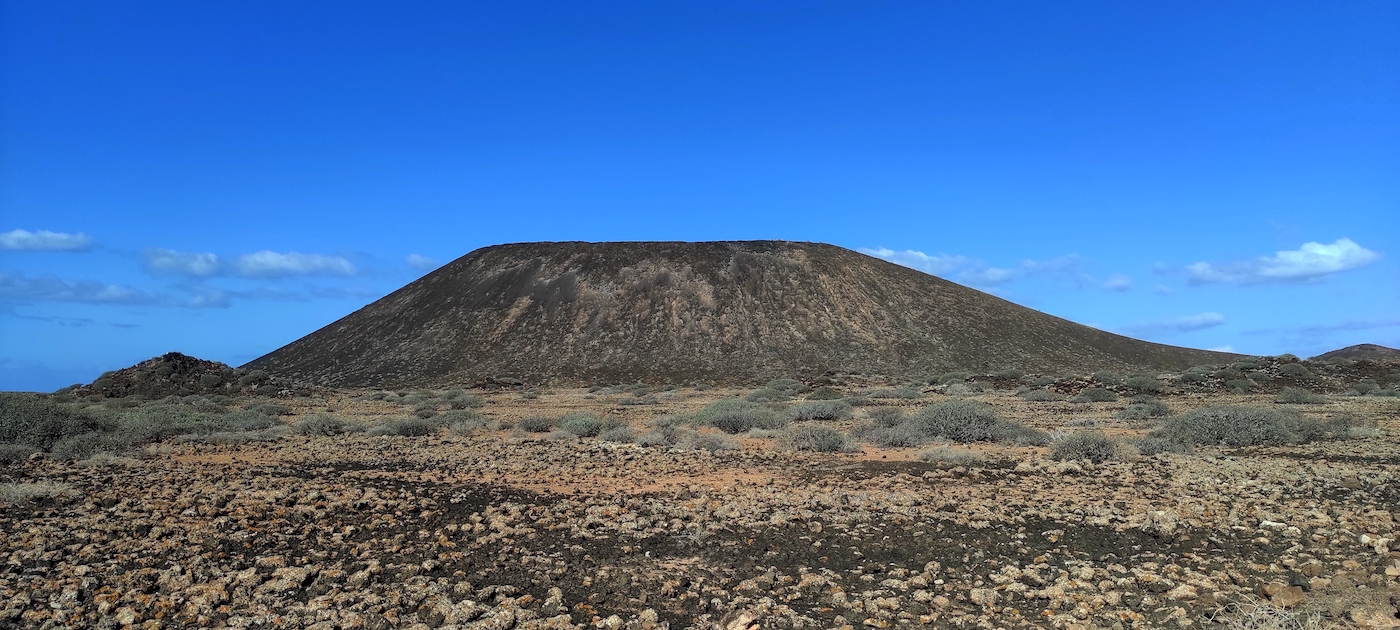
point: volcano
(728, 312)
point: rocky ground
(506, 529)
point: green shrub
(949, 378)
(86, 445)
(737, 416)
(1240, 385)
(321, 425)
(622, 434)
(536, 424)
(1295, 370)
(787, 386)
(825, 392)
(1092, 445)
(30, 419)
(271, 409)
(820, 410)
(905, 392)
(1038, 381)
(1145, 384)
(1041, 395)
(406, 427)
(815, 437)
(584, 424)
(1095, 394)
(211, 380)
(1365, 386)
(1151, 445)
(1009, 374)
(952, 456)
(1235, 426)
(766, 395)
(1143, 409)
(887, 416)
(25, 492)
(658, 437)
(898, 436)
(1299, 396)
(15, 453)
(967, 421)
(1193, 377)
(245, 420)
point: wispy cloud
(44, 240)
(978, 273)
(1176, 325)
(937, 265)
(1225, 348)
(19, 288)
(1118, 282)
(268, 264)
(169, 261)
(1316, 329)
(1311, 261)
(422, 263)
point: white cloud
(420, 262)
(21, 288)
(1187, 323)
(199, 265)
(1118, 282)
(987, 276)
(273, 264)
(1311, 261)
(936, 265)
(44, 240)
(1225, 348)
(1163, 289)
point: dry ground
(502, 529)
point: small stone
(984, 596)
(1282, 595)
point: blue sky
(222, 179)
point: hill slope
(674, 311)
(1358, 352)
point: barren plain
(489, 509)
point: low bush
(1240, 385)
(1145, 384)
(967, 421)
(1296, 370)
(1009, 374)
(323, 425)
(952, 455)
(825, 392)
(536, 424)
(1041, 395)
(34, 421)
(766, 395)
(15, 453)
(1095, 394)
(270, 409)
(950, 378)
(905, 392)
(24, 492)
(816, 438)
(406, 427)
(887, 416)
(1365, 386)
(898, 436)
(1143, 408)
(820, 410)
(621, 434)
(1236, 426)
(1157, 445)
(584, 424)
(737, 416)
(1092, 445)
(1299, 396)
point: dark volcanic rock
(672, 311)
(175, 374)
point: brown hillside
(1358, 352)
(674, 311)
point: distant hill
(1369, 351)
(175, 374)
(673, 311)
